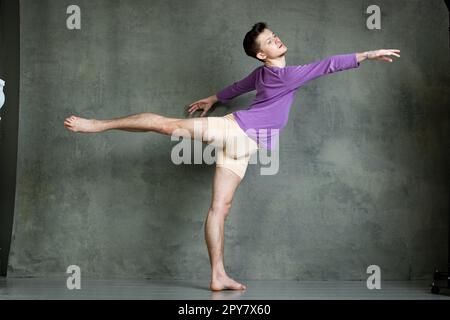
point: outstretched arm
(296, 76)
(237, 88)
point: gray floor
(39, 288)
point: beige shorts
(234, 147)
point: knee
(221, 208)
(169, 126)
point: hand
(382, 54)
(204, 104)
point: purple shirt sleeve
(296, 76)
(240, 87)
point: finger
(394, 50)
(194, 103)
(198, 106)
(193, 108)
(393, 54)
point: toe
(240, 287)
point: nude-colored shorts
(234, 147)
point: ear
(261, 55)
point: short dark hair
(251, 46)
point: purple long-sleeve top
(275, 89)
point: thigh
(225, 183)
(194, 128)
(212, 130)
(239, 146)
(237, 149)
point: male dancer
(254, 127)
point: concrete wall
(363, 175)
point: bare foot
(77, 124)
(225, 283)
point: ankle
(99, 125)
(216, 274)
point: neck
(278, 62)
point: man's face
(270, 45)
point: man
(254, 127)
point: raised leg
(192, 128)
(224, 185)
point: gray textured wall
(364, 159)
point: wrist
(361, 56)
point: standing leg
(224, 185)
